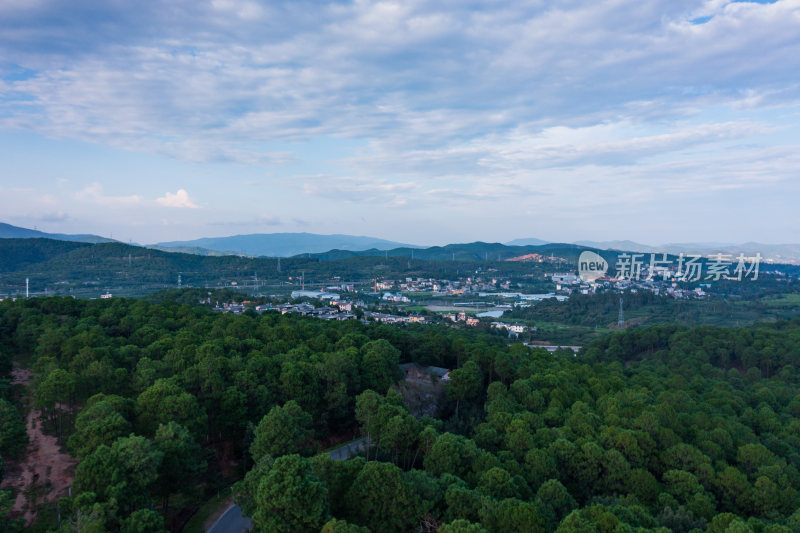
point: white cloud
(180, 199)
(362, 190)
(456, 104)
(409, 72)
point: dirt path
(45, 473)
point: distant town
(469, 301)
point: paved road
(348, 450)
(232, 520)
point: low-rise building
(321, 295)
(418, 372)
(395, 297)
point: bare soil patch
(46, 472)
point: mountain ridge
(284, 244)
(337, 245)
(8, 231)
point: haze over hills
(337, 246)
(531, 241)
(7, 231)
(778, 253)
(283, 244)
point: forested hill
(7, 231)
(19, 254)
(658, 429)
(134, 270)
(283, 244)
(60, 264)
(49, 262)
(475, 251)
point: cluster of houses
(306, 309)
(387, 318)
(462, 317)
(568, 284)
(526, 297)
(395, 297)
(513, 329)
(230, 307)
(444, 287)
(685, 294)
(337, 310)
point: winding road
(232, 520)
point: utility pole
(621, 321)
(27, 287)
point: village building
(417, 372)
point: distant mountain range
(7, 231)
(193, 250)
(778, 253)
(340, 246)
(473, 251)
(527, 242)
(281, 244)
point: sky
(420, 122)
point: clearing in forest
(45, 473)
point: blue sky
(422, 122)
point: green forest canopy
(664, 428)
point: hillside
(654, 429)
(85, 269)
(7, 231)
(474, 251)
(80, 269)
(195, 250)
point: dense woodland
(663, 428)
(730, 304)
